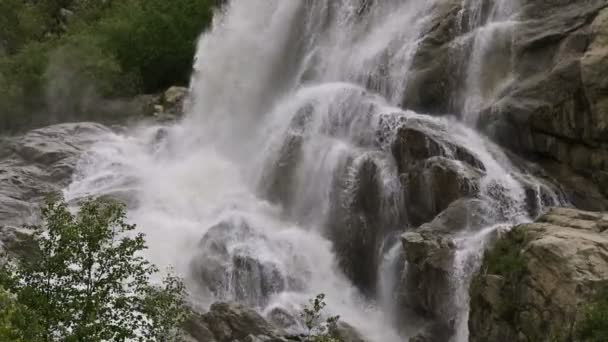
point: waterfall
(281, 180)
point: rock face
(535, 282)
(39, 163)
(544, 91)
(426, 289)
(232, 271)
(557, 106)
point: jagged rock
(279, 317)
(535, 282)
(463, 214)
(164, 107)
(427, 286)
(226, 265)
(433, 71)
(412, 145)
(360, 223)
(556, 109)
(175, 96)
(347, 333)
(39, 163)
(230, 322)
(433, 185)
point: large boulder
(231, 322)
(229, 267)
(433, 185)
(537, 279)
(426, 289)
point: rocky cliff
(538, 280)
(543, 90)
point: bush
(319, 330)
(155, 39)
(505, 259)
(88, 282)
(54, 63)
(594, 326)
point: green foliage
(8, 313)
(594, 326)
(57, 54)
(155, 39)
(319, 330)
(89, 281)
(505, 259)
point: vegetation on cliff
(88, 282)
(505, 259)
(58, 55)
(594, 326)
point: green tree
(8, 315)
(319, 330)
(88, 282)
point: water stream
(294, 104)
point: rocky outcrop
(429, 255)
(167, 106)
(434, 172)
(231, 322)
(556, 108)
(434, 70)
(537, 279)
(228, 268)
(427, 289)
(544, 94)
(39, 163)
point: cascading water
(490, 27)
(281, 181)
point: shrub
(155, 39)
(52, 64)
(594, 326)
(319, 330)
(505, 259)
(89, 283)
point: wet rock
(163, 107)
(535, 282)
(412, 145)
(463, 214)
(230, 322)
(346, 333)
(433, 185)
(557, 109)
(434, 72)
(228, 267)
(363, 216)
(281, 318)
(39, 163)
(426, 289)
(433, 332)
